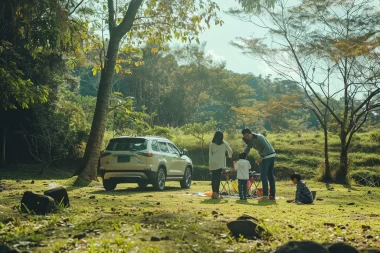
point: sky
(218, 40)
(218, 45)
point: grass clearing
(130, 220)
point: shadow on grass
(350, 187)
(31, 172)
(136, 190)
(263, 203)
(214, 201)
(329, 187)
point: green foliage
(255, 5)
(160, 131)
(49, 139)
(34, 34)
(366, 177)
(375, 136)
(18, 91)
(199, 130)
(184, 85)
(130, 123)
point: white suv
(144, 160)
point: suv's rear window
(127, 144)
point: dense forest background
(171, 94)
(50, 68)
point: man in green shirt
(265, 161)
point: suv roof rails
(149, 136)
(155, 136)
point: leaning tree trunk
(341, 174)
(3, 138)
(87, 171)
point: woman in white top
(217, 161)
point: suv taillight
(147, 154)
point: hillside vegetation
(299, 151)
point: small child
(242, 167)
(303, 193)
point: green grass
(125, 220)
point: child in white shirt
(242, 167)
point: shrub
(366, 177)
(201, 173)
(334, 166)
(375, 136)
(160, 131)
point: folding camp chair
(226, 187)
(255, 181)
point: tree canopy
(331, 49)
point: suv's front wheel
(109, 185)
(159, 180)
(186, 181)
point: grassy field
(129, 220)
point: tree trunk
(203, 156)
(90, 160)
(4, 129)
(341, 175)
(327, 173)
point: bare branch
(76, 7)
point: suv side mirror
(184, 152)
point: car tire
(186, 181)
(159, 180)
(109, 185)
(142, 185)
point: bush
(334, 166)
(366, 177)
(78, 150)
(160, 131)
(375, 136)
(283, 172)
(201, 173)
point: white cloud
(215, 56)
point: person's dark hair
(246, 131)
(218, 138)
(242, 155)
(295, 175)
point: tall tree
(230, 92)
(331, 49)
(149, 21)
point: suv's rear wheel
(159, 180)
(186, 181)
(142, 185)
(109, 185)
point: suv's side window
(173, 149)
(163, 147)
(155, 146)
